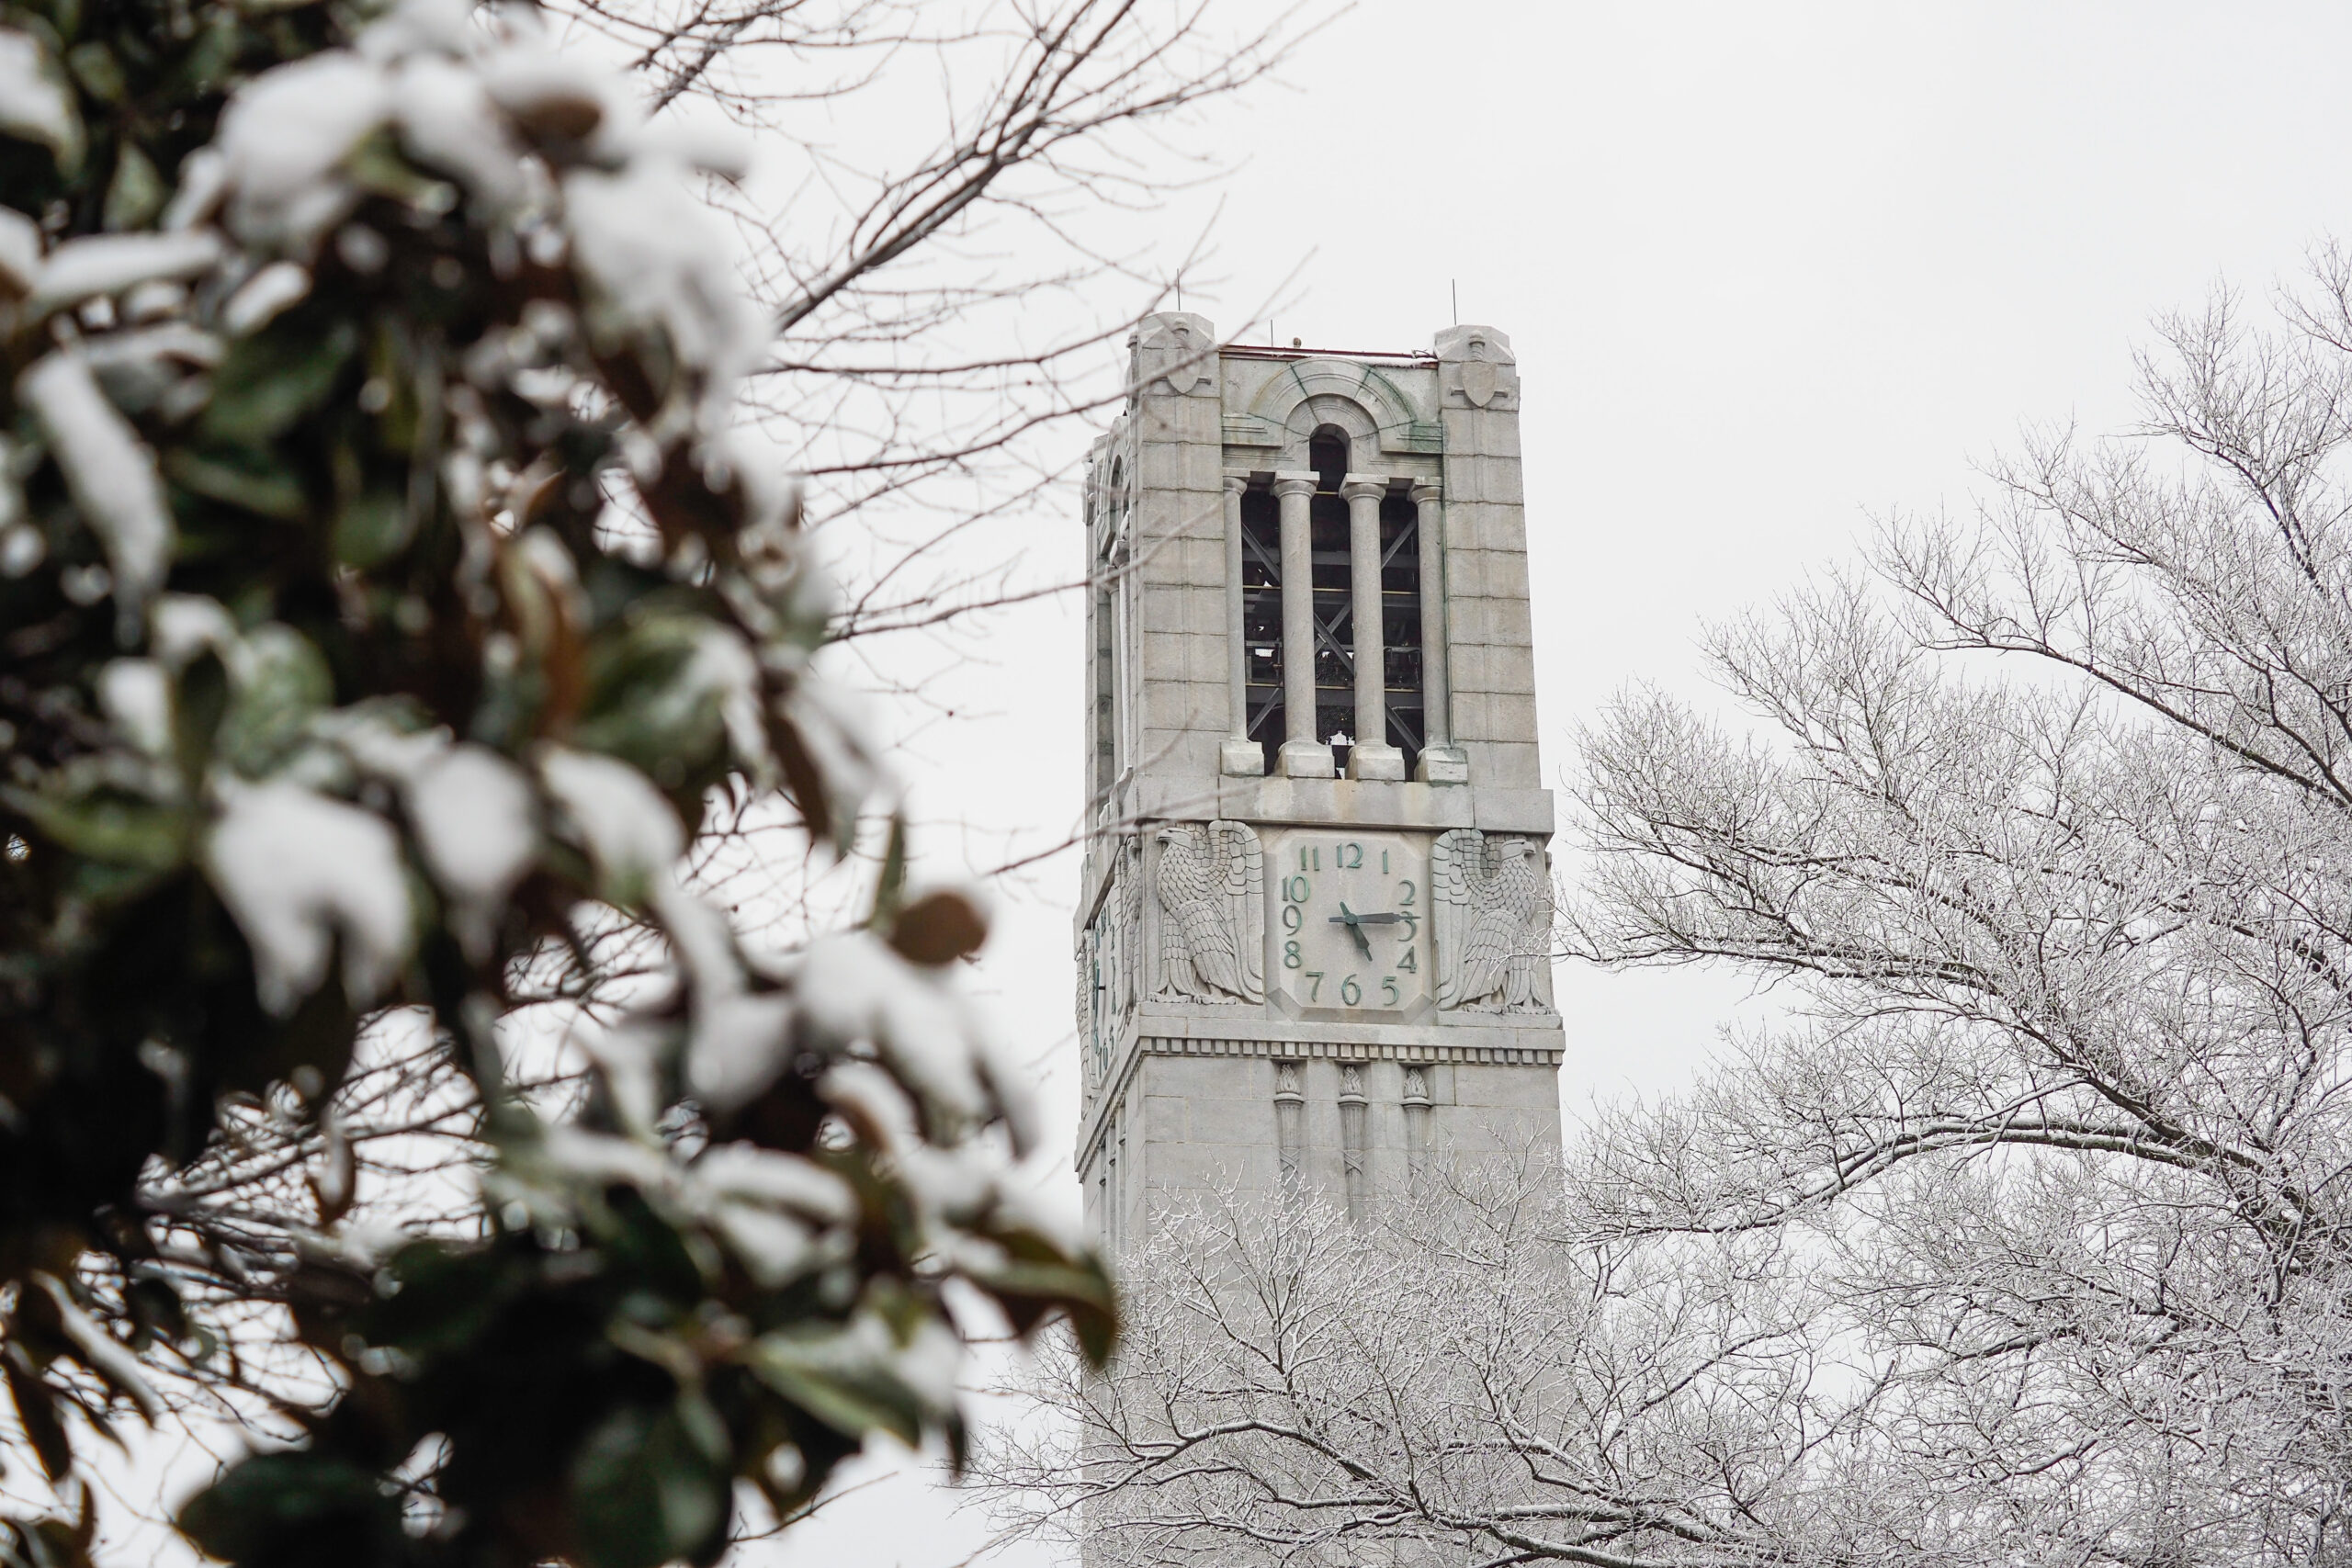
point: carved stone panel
(1211, 881)
(1476, 369)
(1493, 923)
(1176, 353)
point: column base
(1385, 762)
(1241, 760)
(1443, 765)
(1306, 759)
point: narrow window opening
(1261, 618)
(1335, 665)
(1400, 624)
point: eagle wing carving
(1493, 923)
(1208, 882)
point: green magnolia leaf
(96, 68)
(650, 1485)
(110, 824)
(275, 378)
(648, 702)
(1030, 1289)
(375, 527)
(442, 1297)
(137, 193)
(238, 479)
(289, 1508)
(283, 682)
(835, 1378)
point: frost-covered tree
(388, 596)
(2024, 1237)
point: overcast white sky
(1769, 270)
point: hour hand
(1354, 923)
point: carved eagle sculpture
(1494, 926)
(1211, 882)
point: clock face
(1349, 921)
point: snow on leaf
(110, 474)
(652, 262)
(628, 830)
(865, 1091)
(554, 95)
(183, 626)
(109, 263)
(19, 254)
(296, 870)
(136, 696)
(447, 123)
(283, 139)
(746, 1170)
(601, 1159)
(443, 25)
(35, 103)
(204, 180)
(774, 1247)
(852, 988)
(260, 299)
(476, 822)
(740, 1046)
(723, 666)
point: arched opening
(1327, 454)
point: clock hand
(1354, 923)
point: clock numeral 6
(1350, 992)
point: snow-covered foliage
(323, 694)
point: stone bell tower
(1313, 933)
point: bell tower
(1313, 932)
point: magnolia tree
(389, 603)
(2025, 1237)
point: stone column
(1352, 1141)
(1240, 756)
(1442, 761)
(1303, 755)
(1371, 757)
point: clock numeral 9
(1293, 917)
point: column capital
(1364, 487)
(1236, 483)
(1426, 491)
(1287, 485)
